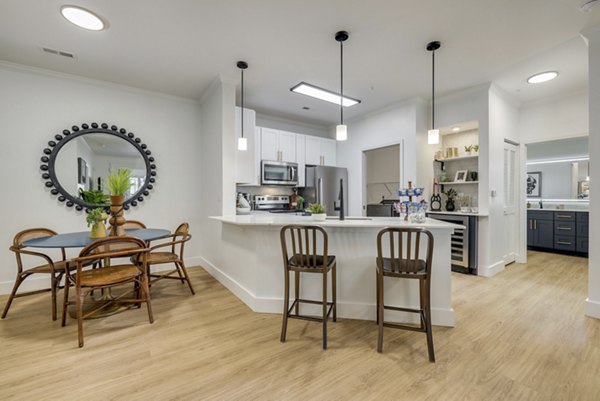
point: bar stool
(306, 258)
(395, 264)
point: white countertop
(350, 222)
(457, 213)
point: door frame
(363, 185)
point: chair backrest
(180, 237)
(133, 224)
(113, 248)
(32, 233)
(404, 248)
(304, 246)
(29, 234)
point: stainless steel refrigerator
(323, 186)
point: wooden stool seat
(307, 258)
(302, 262)
(109, 275)
(401, 260)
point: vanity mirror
(76, 163)
(558, 169)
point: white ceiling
(179, 47)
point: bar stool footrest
(405, 327)
(303, 317)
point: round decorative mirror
(77, 163)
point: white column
(592, 303)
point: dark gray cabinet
(558, 230)
(540, 229)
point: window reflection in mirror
(563, 167)
(84, 163)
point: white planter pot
(319, 217)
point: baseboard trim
(347, 310)
(491, 270)
(592, 308)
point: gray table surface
(82, 239)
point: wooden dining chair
(158, 256)
(303, 255)
(108, 275)
(55, 269)
(401, 260)
(133, 224)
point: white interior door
(511, 197)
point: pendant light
(341, 130)
(433, 135)
(242, 142)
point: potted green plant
(317, 211)
(118, 183)
(96, 218)
(450, 195)
(468, 149)
(94, 197)
(476, 149)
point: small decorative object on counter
(294, 200)
(450, 194)
(476, 149)
(96, 218)
(317, 211)
(300, 201)
(468, 149)
(242, 206)
(409, 192)
(473, 175)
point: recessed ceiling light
(82, 18)
(542, 77)
(455, 129)
(323, 94)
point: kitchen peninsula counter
(250, 265)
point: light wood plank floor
(521, 335)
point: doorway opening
(381, 180)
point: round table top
(82, 239)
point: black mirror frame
(51, 152)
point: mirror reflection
(83, 164)
(558, 169)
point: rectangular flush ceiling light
(323, 94)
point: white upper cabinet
(287, 146)
(301, 159)
(245, 161)
(278, 145)
(269, 149)
(320, 151)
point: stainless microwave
(278, 173)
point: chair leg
(428, 321)
(79, 304)
(324, 308)
(18, 282)
(146, 292)
(297, 291)
(334, 291)
(380, 311)
(377, 289)
(65, 303)
(53, 286)
(179, 273)
(187, 278)
(286, 305)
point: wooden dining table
(81, 240)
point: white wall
(263, 120)
(592, 304)
(554, 118)
(394, 125)
(35, 105)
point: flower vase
(450, 207)
(319, 216)
(117, 220)
(98, 230)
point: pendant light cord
(242, 103)
(341, 83)
(433, 89)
